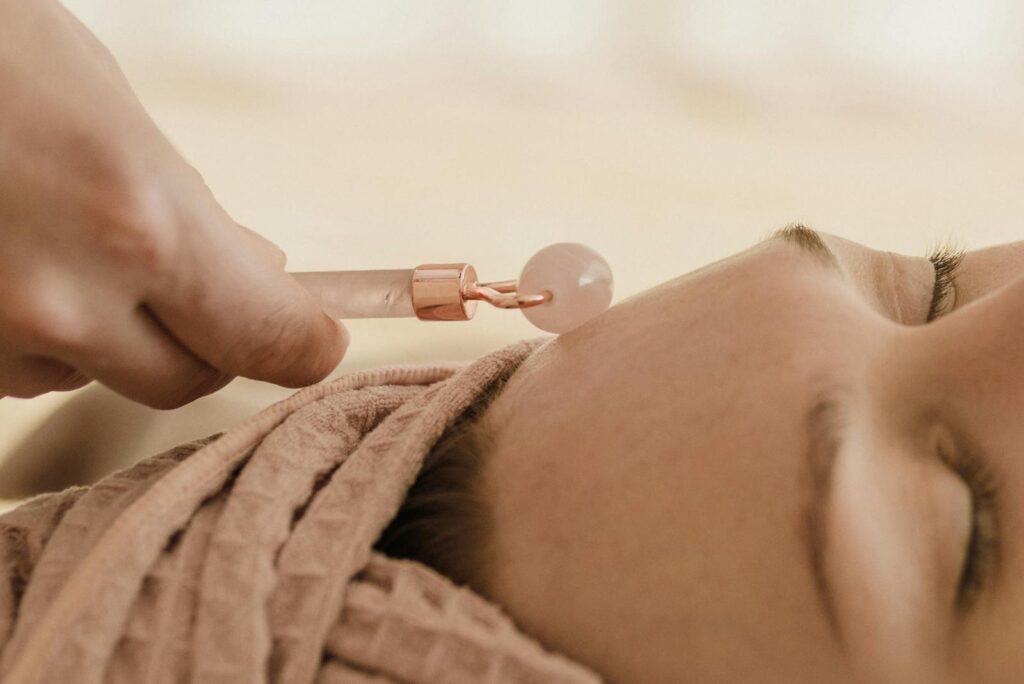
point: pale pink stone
(579, 280)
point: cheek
(968, 375)
(999, 433)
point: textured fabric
(249, 557)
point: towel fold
(248, 557)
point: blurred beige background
(665, 134)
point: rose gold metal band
(450, 292)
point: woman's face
(775, 469)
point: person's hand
(116, 262)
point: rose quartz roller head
(560, 288)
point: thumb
(232, 304)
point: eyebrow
(810, 241)
(822, 421)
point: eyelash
(946, 261)
(983, 544)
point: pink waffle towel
(249, 557)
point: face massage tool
(560, 288)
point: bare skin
(117, 262)
(655, 474)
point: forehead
(658, 450)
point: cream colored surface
(387, 162)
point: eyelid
(981, 555)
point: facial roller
(560, 288)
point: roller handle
(361, 294)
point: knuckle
(136, 228)
(126, 212)
(121, 207)
(42, 320)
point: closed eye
(981, 554)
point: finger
(136, 357)
(276, 253)
(24, 377)
(236, 308)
